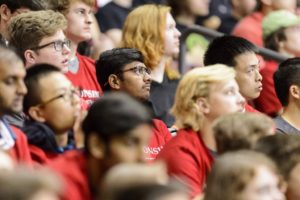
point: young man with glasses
(38, 38)
(123, 69)
(52, 105)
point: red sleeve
(38, 155)
(163, 129)
(186, 167)
(20, 152)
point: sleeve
(185, 167)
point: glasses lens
(59, 45)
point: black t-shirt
(111, 16)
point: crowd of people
(94, 107)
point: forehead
(80, 4)
(245, 60)
(220, 86)
(134, 64)
(8, 69)
(59, 35)
(54, 81)
(170, 19)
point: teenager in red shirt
(116, 130)
(79, 14)
(12, 91)
(202, 95)
(240, 54)
(123, 69)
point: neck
(207, 135)
(61, 139)
(291, 115)
(186, 19)
(124, 3)
(158, 72)
(96, 173)
(286, 53)
(73, 49)
(236, 14)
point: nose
(22, 89)
(258, 76)
(177, 33)
(89, 19)
(66, 50)
(147, 78)
(241, 100)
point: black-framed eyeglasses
(138, 70)
(58, 45)
(67, 96)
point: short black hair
(32, 82)
(225, 49)
(114, 115)
(287, 74)
(113, 61)
(33, 5)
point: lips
(147, 86)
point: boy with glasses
(123, 69)
(52, 104)
(38, 38)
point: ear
(114, 82)
(294, 91)
(96, 146)
(30, 57)
(36, 114)
(5, 12)
(203, 105)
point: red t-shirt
(158, 139)
(250, 28)
(40, 156)
(20, 152)
(71, 167)
(187, 157)
(86, 80)
(268, 102)
(249, 108)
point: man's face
(135, 83)
(224, 97)
(291, 45)
(12, 87)
(79, 22)
(48, 54)
(130, 147)
(248, 76)
(58, 96)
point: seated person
(52, 106)
(123, 69)
(116, 130)
(203, 95)
(287, 85)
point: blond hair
(196, 84)
(63, 6)
(27, 30)
(144, 29)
